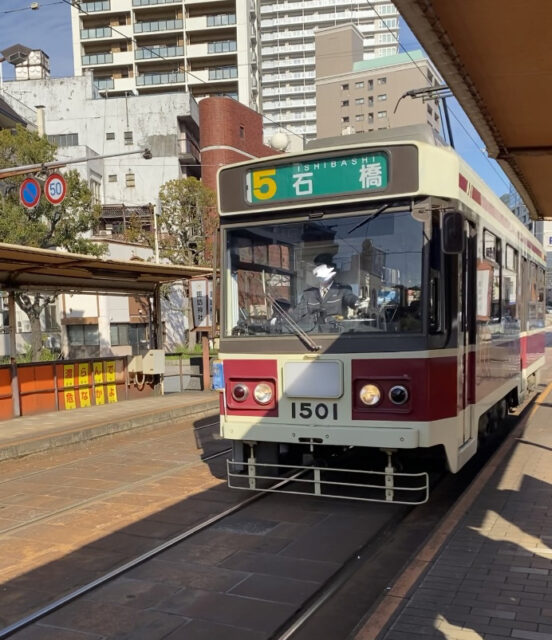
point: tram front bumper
(389, 437)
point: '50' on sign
(55, 188)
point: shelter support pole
(158, 328)
(205, 361)
(13, 354)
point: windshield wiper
(295, 328)
(369, 218)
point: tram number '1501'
(320, 410)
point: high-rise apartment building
(206, 47)
(288, 47)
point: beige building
(355, 95)
(206, 47)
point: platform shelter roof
(28, 268)
(495, 57)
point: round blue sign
(29, 193)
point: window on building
(344, 103)
(382, 97)
(370, 84)
(359, 100)
(112, 177)
(119, 334)
(382, 81)
(345, 119)
(64, 139)
(242, 131)
(110, 135)
(359, 85)
(80, 335)
(370, 101)
(130, 180)
(345, 87)
(382, 114)
(370, 117)
(221, 20)
(429, 109)
(359, 117)
(128, 137)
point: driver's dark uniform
(323, 312)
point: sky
(49, 28)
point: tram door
(466, 335)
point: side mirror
(452, 232)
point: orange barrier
(65, 385)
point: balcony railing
(100, 32)
(97, 58)
(160, 78)
(223, 46)
(147, 3)
(223, 73)
(158, 25)
(158, 52)
(104, 83)
(97, 5)
(221, 20)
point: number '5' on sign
(55, 188)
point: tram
(378, 300)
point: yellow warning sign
(100, 398)
(111, 393)
(110, 370)
(68, 375)
(84, 397)
(70, 400)
(83, 373)
(98, 372)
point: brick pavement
(492, 579)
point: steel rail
(131, 564)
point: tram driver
(322, 306)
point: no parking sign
(55, 188)
(29, 193)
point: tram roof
(496, 61)
(43, 269)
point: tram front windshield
(354, 274)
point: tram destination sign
(349, 174)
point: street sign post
(29, 193)
(55, 188)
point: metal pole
(447, 120)
(155, 237)
(16, 403)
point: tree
(46, 226)
(185, 222)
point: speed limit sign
(55, 188)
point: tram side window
(492, 263)
(535, 318)
(510, 309)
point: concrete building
(205, 47)
(355, 95)
(288, 53)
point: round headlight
(263, 393)
(240, 392)
(398, 394)
(370, 395)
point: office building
(205, 47)
(354, 95)
(288, 53)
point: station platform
(41, 432)
(486, 572)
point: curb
(390, 605)
(70, 436)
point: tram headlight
(370, 395)
(240, 392)
(398, 394)
(263, 393)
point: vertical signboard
(201, 293)
(98, 383)
(68, 386)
